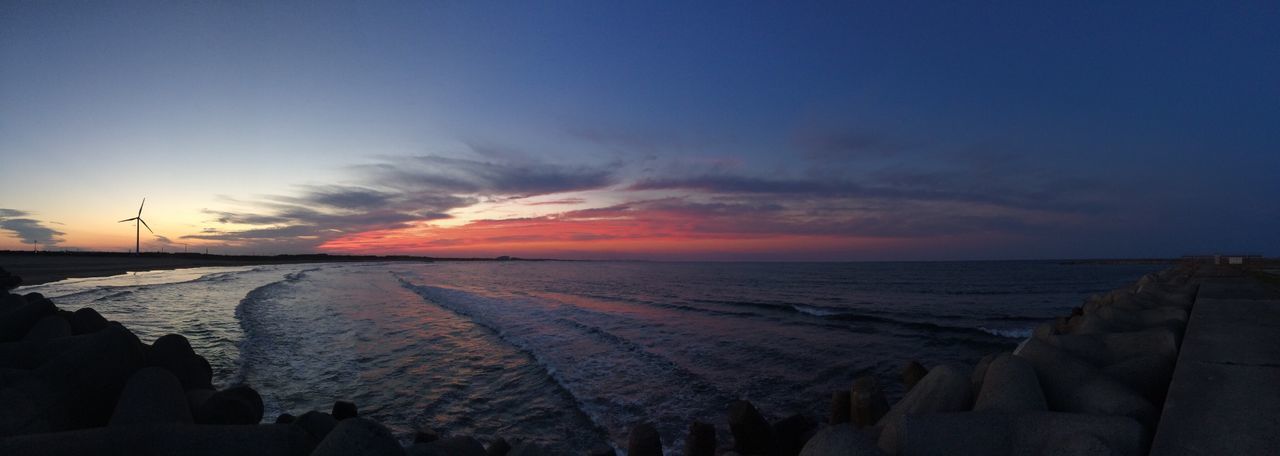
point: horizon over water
(572, 354)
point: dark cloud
(459, 176)
(27, 229)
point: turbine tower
(137, 240)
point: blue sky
(916, 130)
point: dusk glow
(583, 130)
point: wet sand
(38, 268)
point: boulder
(317, 424)
(944, 389)
(152, 395)
(839, 408)
(1011, 386)
(866, 402)
(30, 354)
(286, 418)
(196, 398)
(1077, 444)
(527, 449)
(751, 433)
(701, 440)
(48, 328)
(173, 352)
(980, 371)
(1152, 342)
(87, 321)
(1059, 372)
(425, 434)
(1029, 433)
(840, 440)
(450, 446)
(17, 322)
(1100, 395)
(791, 433)
(912, 372)
(1087, 347)
(235, 405)
(165, 439)
(602, 450)
(359, 436)
(1148, 375)
(644, 441)
(343, 410)
(499, 447)
(10, 302)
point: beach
(44, 267)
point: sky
(823, 131)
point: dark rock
(164, 439)
(1152, 342)
(840, 440)
(701, 440)
(839, 408)
(359, 436)
(173, 352)
(10, 302)
(152, 395)
(867, 402)
(792, 432)
(197, 397)
(1148, 375)
(235, 405)
(944, 389)
(87, 321)
(317, 424)
(602, 450)
(1011, 386)
(1100, 395)
(17, 322)
(48, 328)
(751, 433)
(343, 410)
(449, 446)
(499, 447)
(980, 372)
(32, 354)
(644, 441)
(912, 373)
(1059, 372)
(527, 449)
(9, 281)
(1014, 433)
(1077, 444)
(286, 418)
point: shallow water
(572, 354)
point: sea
(571, 355)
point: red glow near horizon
(627, 231)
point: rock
(17, 322)
(840, 441)
(1100, 395)
(87, 321)
(286, 418)
(980, 371)
(173, 352)
(165, 439)
(1019, 433)
(1087, 347)
(644, 441)
(839, 408)
(31, 354)
(1152, 342)
(317, 424)
(450, 446)
(1010, 385)
(944, 389)
(152, 395)
(9, 281)
(235, 405)
(343, 410)
(359, 436)
(1059, 372)
(48, 328)
(527, 449)
(602, 450)
(1077, 444)
(1148, 375)
(912, 373)
(701, 440)
(499, 447)
(867, 402)
(791, 433)
(10, 302)
(751, 433)
(197, 397)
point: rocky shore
(1093, 382)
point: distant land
(43, 267)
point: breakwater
(748, 431)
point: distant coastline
(45, 267)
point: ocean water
(572, 354)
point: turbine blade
(127, 220)
(144, 203)
(144, 223)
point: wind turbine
(137, 240)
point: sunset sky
(644, 130)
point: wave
(1012, 333)
(246, 313)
